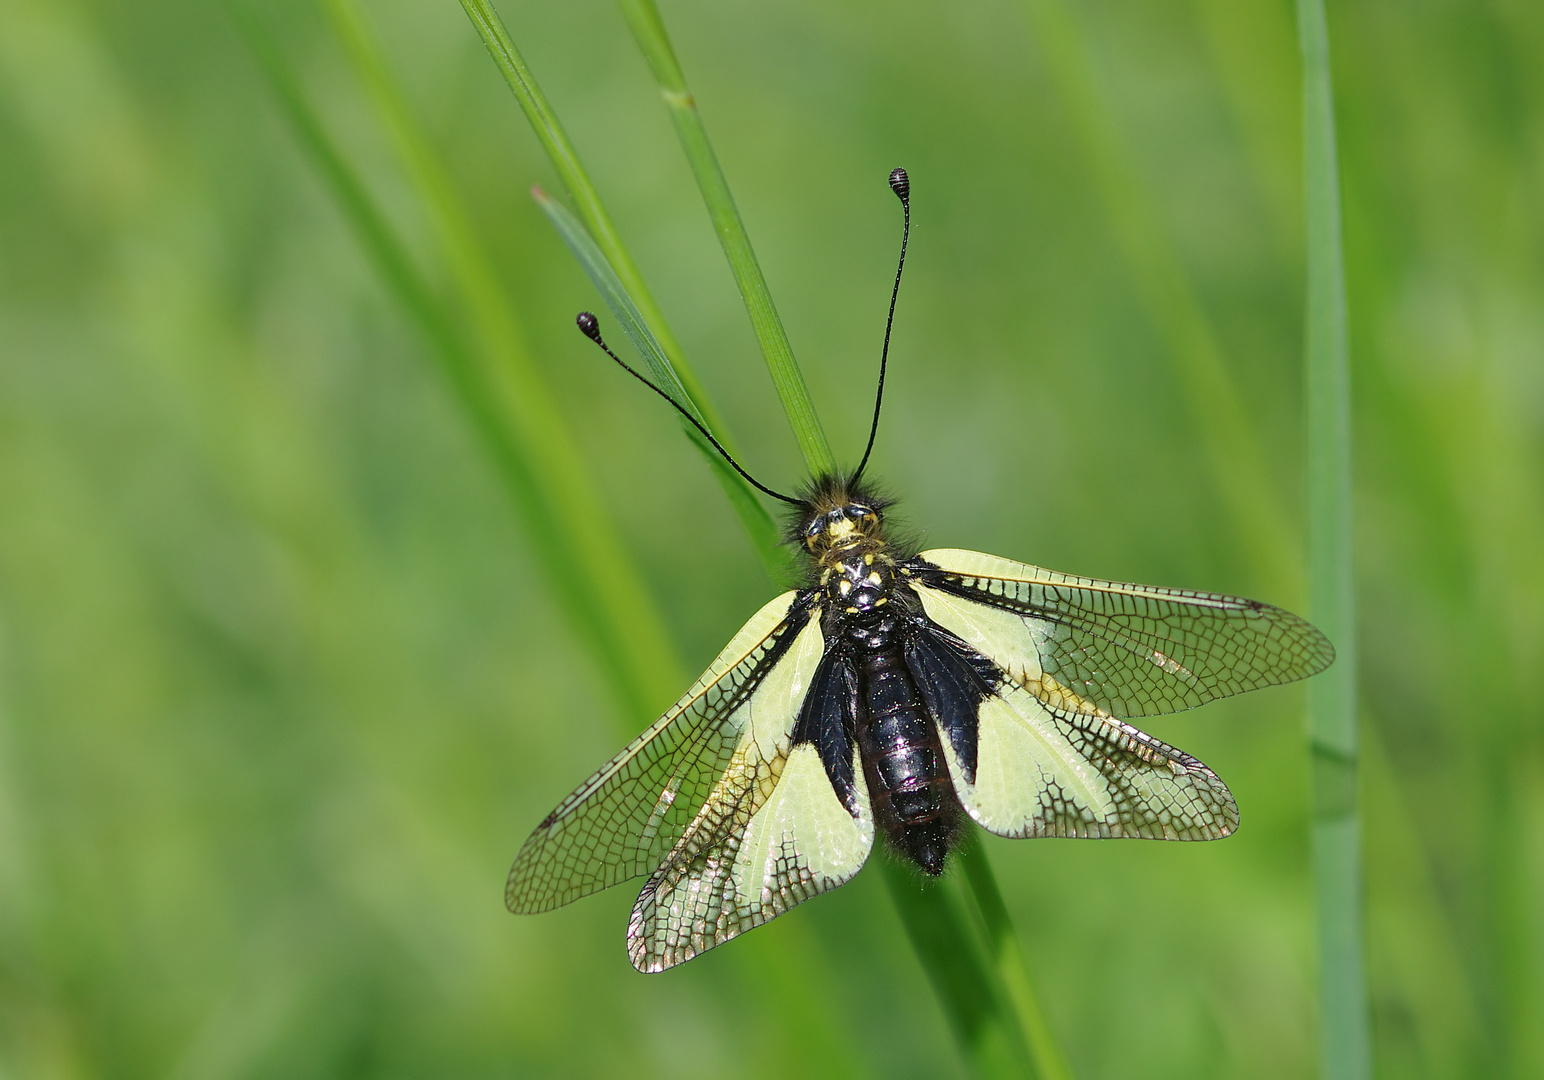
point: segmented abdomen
(903, 761)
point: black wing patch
(829, 720)
(953, 679)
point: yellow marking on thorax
(855, 546)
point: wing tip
(652, 961)
(643, 963)
(517, 898)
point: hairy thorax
(843, 534)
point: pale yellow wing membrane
(1073, 771)
(771, 833)
(621, 822)
(1127, 650)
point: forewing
(622, 821)
(1075, 771)
(772, 833)
(1126, 650)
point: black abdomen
(903, 761)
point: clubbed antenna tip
(590, 325)
(900, 183)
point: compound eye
(813, 531)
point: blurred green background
(282, 686)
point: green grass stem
(1007, 956)
(1233, 452)
(666, 353)
(649, 29)
(974, 1002)
(1345, 1042)
(765, 536)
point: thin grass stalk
(604, 235)
(649, 30)
(576, 180)
(634, 628)
(974, 1002)
(466, 373)
(1233, 453)
(776, 556)
(1007, 956)
(1345, 1041)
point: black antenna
(900, 183)
(591, 327)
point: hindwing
(733, 822)
(772, 833)
(1048, 753)
(1021, 767)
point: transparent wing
(621, 822)
(1074, 771)
(1126, 650)
(772, 834)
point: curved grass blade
(624, 280)
(763, 532)
(565, 159)
(635, 629)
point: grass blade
(1007, 955)
(972, 1001)
(626, 280)
(605, 279)
(565, 159)
(649, 30)
(1345, 1042)
(776, 557)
